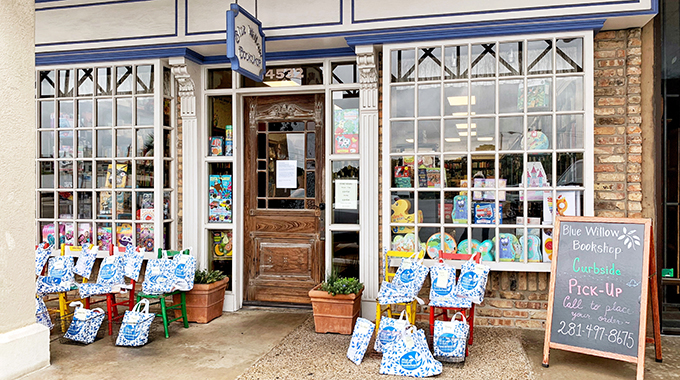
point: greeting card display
(346, 131)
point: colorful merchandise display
(346, 131)
(436, 244)
(220, 193)
(509, 248)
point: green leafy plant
(207, 276)
(341, 285)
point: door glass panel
(345, 192)
(345, 250)
(220, 192)
(220, 250)
(345, 122)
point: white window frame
(158, 159)
(588, 149)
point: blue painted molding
(552, 7)
(478, 30)
(146, 52)
(187, 33)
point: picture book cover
(105, 205)
(220, 194)
(48, 234)
(120, 176)
(346, 130)
(146, 214)
(216, 145)
(67, 234)
(124, 235)
(221, 244)
(104, 237)
(145, 236)
(84, 233)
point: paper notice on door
(346, 194)
(286, 174)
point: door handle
(322, 224)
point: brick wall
(618, 136)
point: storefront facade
(375, 128)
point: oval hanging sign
(245, 43)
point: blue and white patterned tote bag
(85, 261)
(42, 315)
(85, 324)
(185, 269)
(410, 276)
(443, 288)
(134, 330)
(42, 253)
(450, 339)
(390, 294)
(59, 276)
(472, 281)
(389, 331)
(132, 262)
(111, 271)
(410, 356)
(361, 336)
(93, 289)
(159, 276)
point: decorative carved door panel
(284, 171)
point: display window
(99, 131)
(486, 141)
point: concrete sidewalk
(227, 346)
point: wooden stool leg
(109, 307)
(471, 322)
(164, 314)
(63, 311)
(432, 309)
(184, 310)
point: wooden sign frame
(645, 288)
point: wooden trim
(588, 351)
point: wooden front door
(284, 173)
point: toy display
(104, 237)
(509, 248)
(533, 249)
(124, 234)
(547, 246)
(405, 243)
(435, 245)
(402, 176)
(459, 214)
(145, 236)
(84, 233)
(400, 215)
(486, 249)
(220, 192)
(484, 213)
(537, 140)
(464, 246)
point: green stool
(160, 298)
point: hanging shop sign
(598, 289)
(245, 43)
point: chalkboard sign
(598, 287)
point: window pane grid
(96, 137)
(421, 161)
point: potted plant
(336, 304)
(205, 300)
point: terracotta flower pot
(335, 314)
(204, 301)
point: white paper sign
(346, 194)
(286, 174)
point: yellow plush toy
(400, 215)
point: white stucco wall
(24, 346)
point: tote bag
(443, 288)
(85, 261)
(42, 315)
(134, 330)
(159, 276)
(59, 276)
(389, 331)
(42, 253)
(85, 324)
(363, 330)
(472, 282)
(410, 356)
(132, 262)
(450, 339)
(185, 269)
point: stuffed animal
(486, 250)
(533, 249)
(509, 248)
